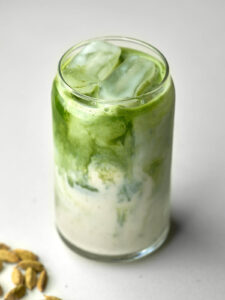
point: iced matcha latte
(113, 107)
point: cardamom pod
(30, 278)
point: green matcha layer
(112, 149)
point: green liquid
(116, 157)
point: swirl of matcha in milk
(113, 156)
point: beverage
(113, 110)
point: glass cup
(112, 162)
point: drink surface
(113, 156)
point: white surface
(33, 35)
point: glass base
(117, 258)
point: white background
(33, 36)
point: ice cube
(91, 65)
(128, 79)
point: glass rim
(114, 38)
